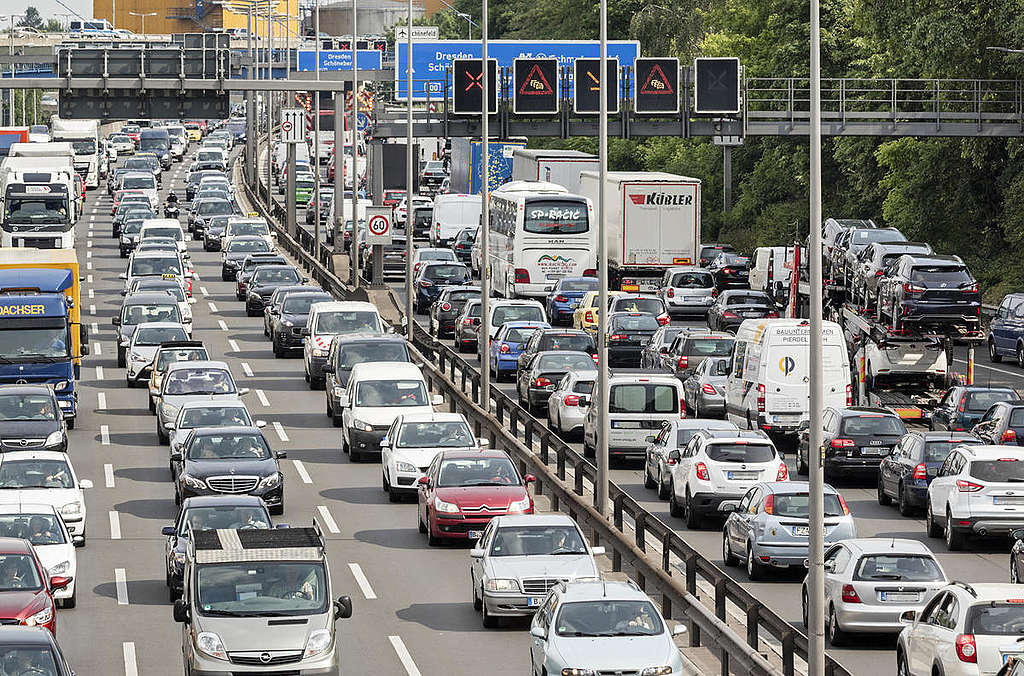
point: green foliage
(31, 18)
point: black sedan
(433, 277)
(855, 440)
(733, 306)
(538, 378)
(628, 332)
(263, 282)
(448, 306)
(238, 249)
(235, 460)
(30, 418)
(291, 317)
(730, 270)
(905, 473)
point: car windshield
(477, 472)
(555, 217)
(168, 356)
(387, 393)
(248, 246)
(995, 618)
(865, 236)
(692, 280)
(214, 518)
(139, 182)
(943, 275)
(460, 297)
(174, 290)
(796, 505)
(982, 400)
(164, 265)
(537, 541)
(749, 299)
(213, 207)
(441, 434)
(347, 321)
(709, 347)
(516, 313)
(873, 424)
(19, 571)
(608, 618)
(155, 336)
(35, 474)
(436, 255)
(900, 567)
(33, 660)
(275, 275)
(27, 407)
(198, 381)
(643, 398)
(229, 447)
(262, 588)
(351, 354)
(142, 313)
(300, 305)
(39, 529)
(1002, 470)
(445, 272)
(252, 229)
(565, 361)
(214, 416)
(638, 322)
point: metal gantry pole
(10, 92)
(270, 108)
(410, 324)
(356, 263)
(251, 125)
(601, 490)
(316, 135)
(338, 217)
(485, 222)
(816, 550)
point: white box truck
(54, 169)
(84, 137)
(652, 222)
(553, 166)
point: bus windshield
(556, 217)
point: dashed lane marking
(303, 474)
(101, 401)
(131, 667)
(234, 346)
(105, 435)
(280, 431)
(108, 475)
(364, 584)
(121, 583)
(99, 373)
(262, 397)
(329, 521)
(115, 526)
(403, 656)
(223, 326)
(97, 348)
(213, 307)
(246, 369)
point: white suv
(506, 310)
(717, 467)
(965, 630)
(977, 491)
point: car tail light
(714, 293)
(966, 650)
(590, 272)
(842, 503)
(683, 362)
(921, 471)
(912, 288)
(970, 288)
(561, 299)
(783, 473)
(618, 336)
(702, 471)
(728, 271)
(416, 268)
(1008, 436)
(425, 284)
(769, 504)
(437, 229)
(965, 486)
(445, 307)
(588, 316)
(878, 273)
(729, 314)
(671, 293)
(571, 400)
(760, 398)
(963, 404)
(664, 319)
(594, 357)
(522, 276)
(773, 314)
(850, 594)
(849, 394)
(468, 321)
(842, 443)
(504, 349)
(476, 321)
(542, 382)
(708, 388)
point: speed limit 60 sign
(378, 225)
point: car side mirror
(1017, 534)
(829, 566)
(167, 530)
(727, 506)
(181, 611)
(305, 332)
(85, 484)
(116, 321)
(169, 425)
(385, 443)
(529, 478)
(483, 442)
(261, 423)
(436, 399)
(679, 629)
(476, 553)
(59, 582)
(123, 275)
(597, 551)
(281, 455)
(538, 632)
(424, 481)
(343, 608)
(343, 400)
(908, 617)
(176, 457)
(84, 349)
(243, 391)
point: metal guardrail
(520, 432)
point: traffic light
(535, 86)
(656, 86)
(468, 86)
(586, 83)
(716, 85)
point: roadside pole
(339, 173)
(355, 250)
(485, 216)
(316, 136)
(410, 323)
(290, 205)
(601, 392)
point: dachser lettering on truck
(661, 199)
(22, 310)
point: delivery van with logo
(768, 386)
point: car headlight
(170, 412)
(587, 578)
(318, 642)
(72, 509)
(210, 644)
(270, 481)
(446, 507)
(317, 352)
(405, 467)
(519, 505)
(125, 240)
(60, 568)
(193, 482)
(287, 322)
(55, 439)
(61, 385)
(362, 426)
(502, 585)
(135, 356)
(656, 671)
(42, 617)
(578, 672)
(254, 296)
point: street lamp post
(485, 217)
(410, 324)
(462, 15)
(601, 490)
(143, 15)
(316, 136)
(355, 251)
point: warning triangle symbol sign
(536, 84)
(656, 82)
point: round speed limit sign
(379, 226)
(286, 126)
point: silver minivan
(259, 601)
(639, 405)
(687, 290)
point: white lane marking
(105, 435)
(364, 584)
(246, 369)
(92, 294)
(131, 667)
(329, 521)
(88, 254)
(213, 307)
(97, 348)
(99, 373)
(92, 309)
(262, 397)
(203, 291)
(234, 346)
(108, 475)
(280, 431)
(303, 474)
(223, 326)
(403, 656)
(88, 244)
(115, 526)
(88, 279)
(88, 266)
(990, 368)
(121, 582)
(95, 327)
(101, 401)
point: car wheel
(993, 356)
(903, 502)
(489, 621)
(1014, 575)
(662, 486)
(954, 538)
(432, 540)
(834, 634)
(71, 601)
(901, 664)
(728, 558)
(755, 571)
(648, 481)
(344, 444)
(152, 405)
(674, 507)
(121, 357)
(693, 520)
(478, 603)
(933, 528)
(1020, 356)
(883, 499)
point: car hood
(421, 457)
(564, 567)
(51, 555)
(296, 320)
(57, 497)
(21, 604)
(619, 652)
(147, 352)
(268, 288)
(496, 497)
(385, 415)
(260, 634)
(28, 429)
(205, 468)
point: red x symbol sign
(475, 81)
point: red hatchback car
(26, 590)
(463, 490)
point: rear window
(555, 218)
(446, 272)
(1001, 470)
(936, 451)
(796, 505)
(708, 347)
(733, 452)
(653, 306)
(567, 341)
(692, 280)
(516, 313)
(583, 386)
(519, 335)
(940, 274)
(1017, 417)
(565, 362)
(897, 567)
(873, 424)
(643, 398)
(577, 285)
(1000, 619)
(462, 296)
(749, 299)
(983, 400)
(640, 322)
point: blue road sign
(429, 60)
(339, 59)
(362, 121)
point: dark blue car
(905, 473)
(508, 344)
(565, 297)
(962, 406)
(435, 276)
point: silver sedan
(565, 415)
(704, 390)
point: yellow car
(585, 316)
(194, 133)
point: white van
(377, 393)
(330, 319)
(639, 405)
(768, 270)
(163, 227)
(767, 387)
(452, 213)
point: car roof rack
(968, 588)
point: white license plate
(802, 530)
(475, 534)
(1008, 500)
(534, 601)
(900, 597)
(874, 450)
(742, 476)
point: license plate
(874, 450)
(899, 597)
(627, 425)
(802, 530)
(751, 314)
(742, 476)
(475, 534)
(1008, 500)
(534, 601)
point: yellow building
(200, 16)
